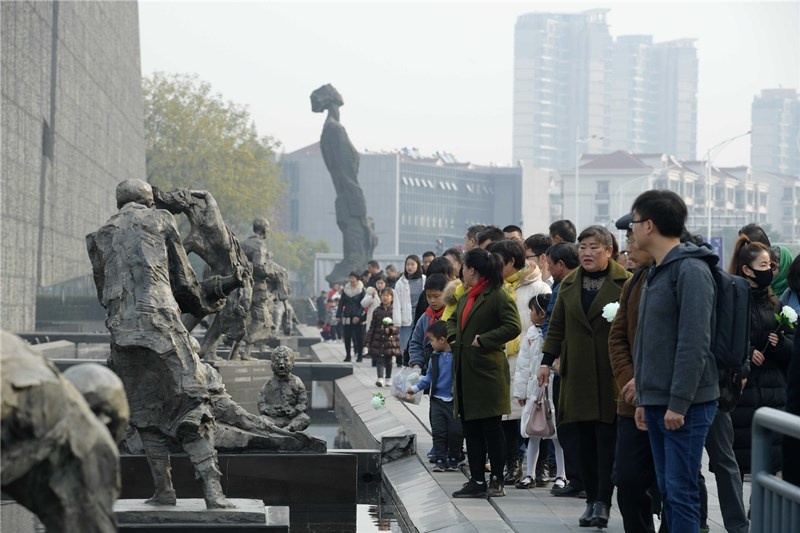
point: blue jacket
(440, 377)
(550, 306)
(673, 363)
(419, 347)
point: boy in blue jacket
(445, 428)
(419, 348)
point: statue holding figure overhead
(144, 281)
(212, 240)
(283, 397)
(341, 159)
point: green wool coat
(588, 389)
(485, 382)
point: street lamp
(578, 141)
(710, 155)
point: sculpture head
(283, 361)
(103, 391)
(325, 98)
(261, 227)
(136, 191)
(176, 201)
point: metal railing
(775, 503)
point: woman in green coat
(484, 321)
(578, 334)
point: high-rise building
(578, 91)
(560, 81)
(775, 134)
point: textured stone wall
(72, 128)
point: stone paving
(521, 510)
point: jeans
(634, 475)
(596, 457)
(722, 461)
(677, 455)
(446, 430)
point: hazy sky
(439, 76)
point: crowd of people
(622, 342)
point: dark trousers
(485, 435)
(635, 475)
(722, 461)
(445, 428)
(596, 456)
(569, 440)
(354, 333)
(512, 436)
(384, 365)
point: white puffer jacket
(525, 385)
(402, 308)
(370, 302)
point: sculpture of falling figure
(341, 160)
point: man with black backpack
(675, 372)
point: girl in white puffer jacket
(526, 390)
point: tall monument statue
(341, 159)
(144, 281)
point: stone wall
(72, 128)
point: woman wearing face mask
(770, 349)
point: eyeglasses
(630, 241)
(531, 256)
(630, 225)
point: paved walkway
(521, 510)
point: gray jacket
(673, 362)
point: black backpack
(730, 338)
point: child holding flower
(771, 342)
(382, 338)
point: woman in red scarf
(485, 319)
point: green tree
(197, 140)
(296, 254)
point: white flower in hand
(788, 316)
(610, 311)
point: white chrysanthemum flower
(610, 311)
(789, 314)
(378, 401)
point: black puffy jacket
(766, 384)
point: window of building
(602, 210)
(602, 187)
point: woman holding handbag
(526, 391)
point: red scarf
(435, 315)
(473, 293)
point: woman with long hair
(407, 290)
(352, 316)
(485, 319)
(770, 350)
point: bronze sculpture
(341, 159)
(58, 459)
(144, 281)
(283, 397)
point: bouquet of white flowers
(610, 311)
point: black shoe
(586, 518)
(542, 479)
(347, 359)
(513, 471)
(440, 466)
(525, 483)
(359, 359)
(471, 489)
(552, 469)
(569, 491)
(496, 488)
(600, 515)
